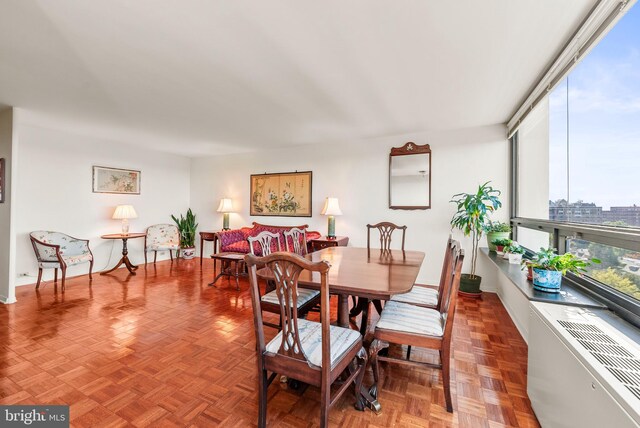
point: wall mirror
(410, 177)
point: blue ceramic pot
(547, 280)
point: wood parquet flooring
(163, 349)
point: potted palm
(471, 218)
(496, 230)
(549, 268)
(187, 227)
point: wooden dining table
(366, 274)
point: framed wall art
(286, 194)
(116, 180)
(2, 183)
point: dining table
(363, 273)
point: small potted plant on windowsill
(496, 230)
(187, 227)
(515, 252)
(549, 268)
(500, 244)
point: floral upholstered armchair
(161, 237)
(55, 250)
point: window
(575, 166)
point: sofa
(235, 240)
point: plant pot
(529, 272)
(492, 236)
(470, 285)
(500, 250)
(505, 256)
(515, 258)
(547, 280)
(188, 253)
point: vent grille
(619, 361)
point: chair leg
(262, 398)
(445, 360)
(155, 256)
(171, 254)
(55, 275)
(375, 348)
(64, 276)
(145, 256)
(325, 400)
(362, 356)
(90, 270)
(39, 278)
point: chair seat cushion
(163, 247)
(342, 339)
(418, 296)
(304, 295)
(70, 260)
(406, 318)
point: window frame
(628, 238)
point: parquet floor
(163, 349)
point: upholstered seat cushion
(418, 296)
(69, 260)
(304, 295)
(341, 339)
(407, 318)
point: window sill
(569, 294)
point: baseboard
(5, 300)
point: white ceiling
(204, 76)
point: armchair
(55, 250)
(161, 237)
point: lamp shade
(225, 206)
(124, 212)
(331, 207)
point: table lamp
(124, 213)
(225, 208)
(332, 209)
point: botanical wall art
(2, 185)
(284, 194)
(116, 180)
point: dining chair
(406, 324)
(385, 230)
(306, 298)
(316, 353)
(298, 238)
(429, 296)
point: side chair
(306, 298)
(298, 239)
(161, 237)
(316, 353)
(406, 324)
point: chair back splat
(265, 241)
(386, 230)
(298, 239)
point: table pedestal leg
(343, 310)
(124, 260)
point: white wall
(7, 235)
(357, 174)
(55, 193)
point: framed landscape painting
(285, 194)
(116, 180)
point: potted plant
(496, 230)
(471, 218)
(515, 252)
(187, 227)
(499, 245)
(549, 268)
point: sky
(603, 122)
